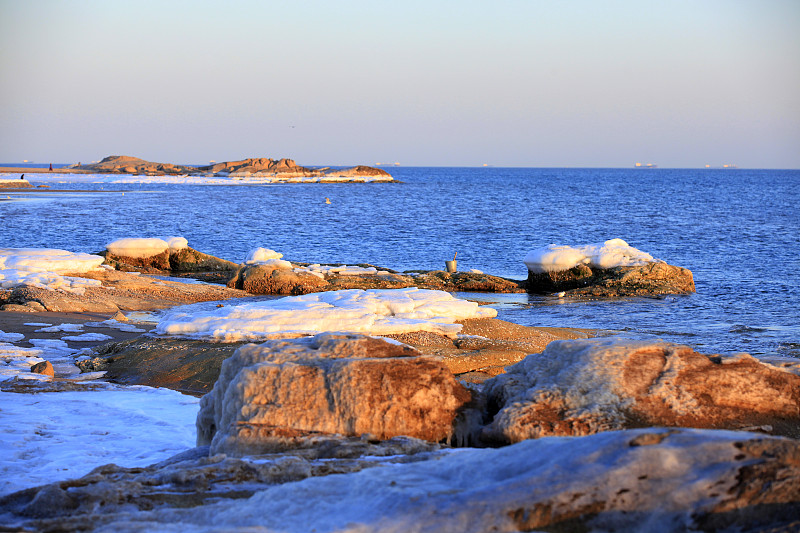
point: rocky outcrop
(587, 386)
(21, 183)
(123, 164)
(648, 280)
(118, 291)
(359, 171)
(186, 261)
(277, 395)
(267, 279)
(638, 480)
(257, 165)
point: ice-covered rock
(610, 269)
(376, 312)
(45, 268)
(170, 255)
(276, 395)
(580, 387)
(665, 480)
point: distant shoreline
(38, 170)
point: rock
(181, 262)
(360, 171)
(670, 480)
(651, 279)
(119, 290)
(582, 387)
(119, 164)
(189, 260)
(15, 184)
(266, 279)
(466, 282)
(119, 317)
(276, 395)
(45, 367)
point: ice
(87, 337)
(10, 337)
(37, 324)
(375, 312)
(16, 361)
(342, 270)
(44, 268)
(135, 247)
(114, 324)
(49, 437)
(610, 254)
(265, 256)
(72, 328)
(176, 244)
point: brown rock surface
(651, 279)
(587, 386)
(45, 367)
(265, 279)
(119, 290)
(21, 183)
(187, 261)
(275, 395)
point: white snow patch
(10, 337)
(176, 244)
(114, 324)
(610, 254)
(135, 247)
(341, 270)
(261, 254)
(374, 312)
(37, 324)
(43, 268)
(87, 337)
(49, 437)
(71, 328)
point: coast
(422, 387)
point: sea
(737, 230)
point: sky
(448, 83)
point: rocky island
(279, 170)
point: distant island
(253, 167)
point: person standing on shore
(51, 167)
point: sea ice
(375, 312)
(44, 268)
(265, 256)
(53, 436)
(10, 337)
(71, 328)
(87, 337)
(612, 253)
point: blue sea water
(737, 230)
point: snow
(375, 312)
(71, 328)
(10, 337)
(44, 268)
(137, 247)
(610, 254)
(87, 337)
(267, 257)
(49, 437)
(176, 244)
(341, 270)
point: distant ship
(645, 165)
(727, 165)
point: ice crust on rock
(610, 254)
(265, 256)
(44, 268)
(373, 312)
(342, 270)
(137, 247)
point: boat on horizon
(645, 165)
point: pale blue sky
(578, 83)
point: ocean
(737, 230)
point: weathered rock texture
(266, 279)
(187, 261)
(587, 386)
(119, 290)
(652, 279)
(275, 395)
(636, 480)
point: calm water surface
(737, 230)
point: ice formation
(135, 247)
(376, 312)
(610, 254)
(267, 257)
(49, 437)
(44, 268)
(342, 270)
